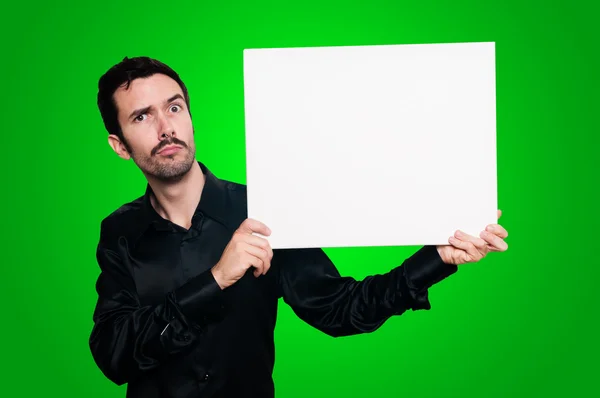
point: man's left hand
(466, 248)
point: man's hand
(465, 248)
(243, 251)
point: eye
(175, 108)
(140, 118)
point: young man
(187, 294)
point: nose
(166, 135)
(165, 128)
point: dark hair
(122, 74)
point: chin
(173, 169)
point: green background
(522, 323)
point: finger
(497, 230)
(499, 213)
(263, 245)
(250, 226)
(496, 243)
(256, 263)
(266, 256)
(479, 243)
(269, 254)
(466, 247)
(257, 241)
(260, 254)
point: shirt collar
(213, 203)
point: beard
(167, 168)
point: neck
(177, 201)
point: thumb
(251, 226)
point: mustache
(170, 141)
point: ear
(118, 146)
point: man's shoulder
(124, 220)
(235, 191)
(236, 202)
(236, 188)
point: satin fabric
(163, 326)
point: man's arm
(128, 338)
(340, 306)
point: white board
(386, 145)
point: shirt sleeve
(340, 305)
(128, 338)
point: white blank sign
(386, 145)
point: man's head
(145, 107)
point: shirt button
(206, 377)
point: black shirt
(163, 325)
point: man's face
(157, 127)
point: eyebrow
(146, 109)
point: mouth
(169, 150)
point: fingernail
(489, 228)
(458, 233)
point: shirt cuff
(426, 268)
(201, 299)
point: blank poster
(382, 145)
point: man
(188, 293)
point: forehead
(147, 91)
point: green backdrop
(518, 324)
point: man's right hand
(243, 251)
